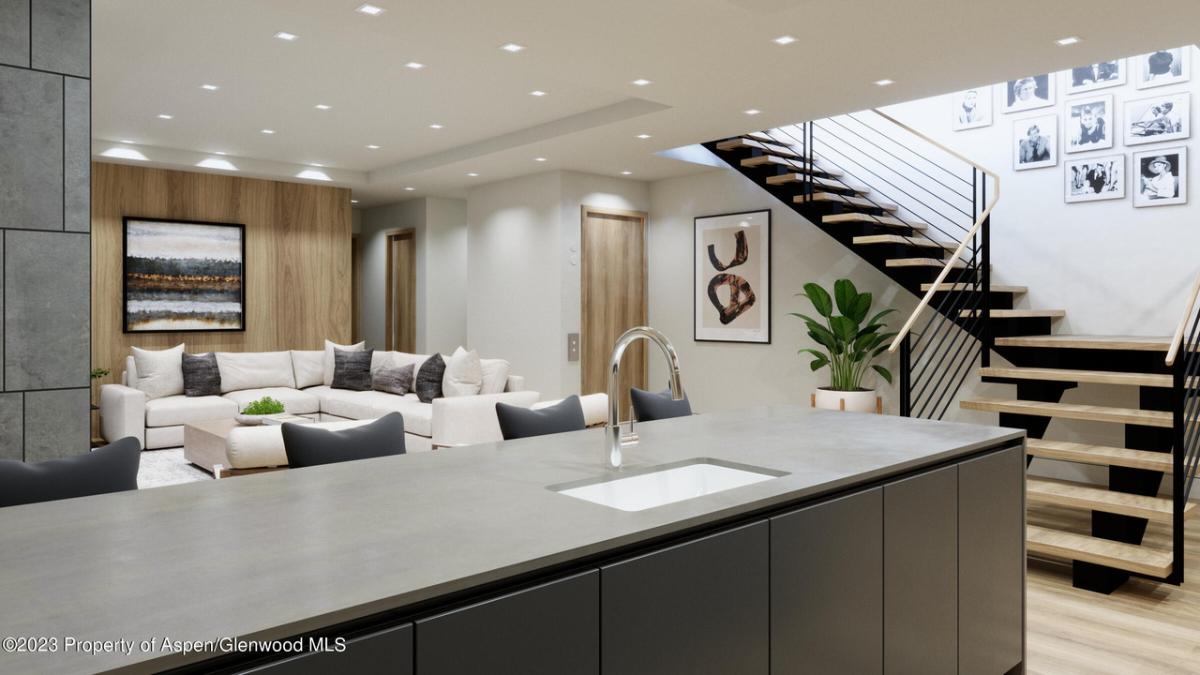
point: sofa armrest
(465, 420)
(122, 413)
(515, 383)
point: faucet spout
(613, 437)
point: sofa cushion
(201, 376)
(351, 369)
(159, 372)
(174, 410)
(428, 383)
(294, 401)
(362, 405)
(464, 375)
(308, 367)
(404, 358)
(255, 370)
(327, 373)
(495, 375)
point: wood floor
(1144, 627)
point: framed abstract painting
(732, 277)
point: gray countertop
(276, 554)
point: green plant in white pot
(255, 411)
(849, 343)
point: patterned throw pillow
(351, 369)
(201, 376)
(396, 380)
(429, 379)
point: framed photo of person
(1035, 142)
(1166, 117)
(972, 108)
(1089, 124)
(1094, 76)
(1161, 176)
(1163, 67)
(1028, 93)
(1093, 179)
(732, 277)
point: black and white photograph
(1029, 93)
(1093, 179)
(1160, 118)
(1161, 176)
(972, 108)
(732, 277)
(1035, 142)
(1089, 124)
(1163, 67)
(1095, 76)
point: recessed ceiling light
(539, 159)
(353, 201)
(626, 173)
(1067, 41)
(209, 87)
(220, 152)
(752, 111)
(640, 82)
(126, 140)
(313, 174)
(370, 10)
(537, 92)
(643, 136)
(316, 165)
(373, 147)
(216, 163)
(512, 47)
(472, 174)
(414, 65)
(286, 36)
(124, 153)
(884, 82)
(784, 40)
(322, 106)
(435, 126)
(165, 116)
(268, 131)
(409, 188)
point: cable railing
(1183, 357)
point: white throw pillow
(159, 372)
(329, 347)
(255, 370)
(464, 375)
(309, 367)
(495, 375)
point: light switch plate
(572, 346)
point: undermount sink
(668, 483)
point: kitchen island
(877, 543)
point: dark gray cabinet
(991, 578)
(920, 574)
(389, 652)
(698, 607)
(827, 587)
(549, 629)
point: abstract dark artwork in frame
(732, 277)
(183, 276)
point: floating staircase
(920, 213)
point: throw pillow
(329, 347)
(649, 406)
(495, 376)
(429, 379)
(160, 372)
(464, 375)
(351, 369)
(398, 380)
(201, 376)
(518, 422)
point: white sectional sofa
(297, 379)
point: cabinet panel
(387, 652)
(552, 629)
(991, 551)
(699, 607)
(920, 579)
(827, 587)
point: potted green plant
(255, 411)
(848, 343)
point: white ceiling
(709, 60)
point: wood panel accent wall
(298, 248)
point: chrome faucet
(614, 439)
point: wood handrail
(1177, 340)
(962, 245)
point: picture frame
(1093, 76)
(732, 277)
(1161, 177)
(1029, 93)
(1035, 142)
(1163, 67)
(1094, 178)
(1158, 119)
(1089, 124)
(971, 108)
(181, 276)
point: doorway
(613, 300)
(401, 314)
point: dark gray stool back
(650, 405)
(518, 422)
(312, 446)
(112, 468)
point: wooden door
(613, 297)
(401, 313)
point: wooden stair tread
(1088, 376)
(772, 160)
(1121, 343)
(896, 239)
(773, 147)
(996, 288)
(869, 218)
(760, 136)
(1020, 313)
(827, 183)
(923, 262)
(1074, 411)
(858, 202)
(1084, 496)
(1130, 557)
(1100, 455)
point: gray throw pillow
(201, 376)
(352, 369)
(396, 380)
(429, 379)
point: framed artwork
(180, 275)
(1028, 93)
(1163, 67)
(1094, 179)
(1035, 142)
(972, 108)
(732, 277)
(1089, 124)
(1095, 76)
(1161, 176)
(1166, 117)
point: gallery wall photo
(732, 277)
(183, 276)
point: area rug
(168, 467)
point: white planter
(850, 401)
(249, 420)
